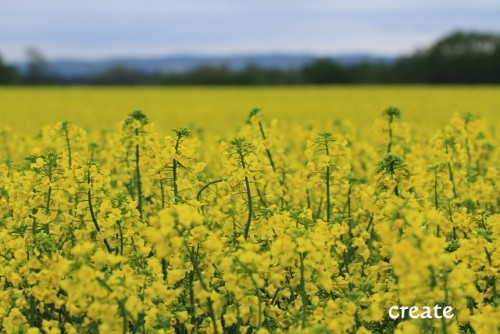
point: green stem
(34, 225)
(33, 319)
(328, 202)
(162, 190)
(174, 169)
(174, 178)
(123, 311)
(198, 196)
(435, 190)
(192, 305)
(47, 209)
(452, 180)
(450, 172)
(494, 280)
(268, 152)
(138, 176)
(393, 175)
(164, 269)
(390, 134)
(68, 145)
(303, 291)
(250, 208)
(259, 194)
(308, 198)
(320, 206)
(349, 203)
(327, 184)
(249, 196)
(194, 261)
(49, 197)
(120, 231)
(92, 214)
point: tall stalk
(450, 170)
(92, 213)
(325, 139)
(180, 134)
(391, 113)
(134, 126)
(303, 292)
(138, 176)
(242, 150)
(65, 126)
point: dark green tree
(325, 71)
(37, 69)
(8, 73)
(464, 57)
(119, 75)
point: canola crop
(279, 229)
(218, 109)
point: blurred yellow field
(218, 109)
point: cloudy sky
(107, 28)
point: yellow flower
(175, 275)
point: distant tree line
(459, 58)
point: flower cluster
(279, 229)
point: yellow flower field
(220, 109)
(305, 217)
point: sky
(117, 28)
